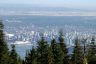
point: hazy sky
(58, 3)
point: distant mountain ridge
(39, 8)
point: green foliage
(85, 60)
(15, 59)
(4, 54)
(57, 52)
(1, 25)
(92, 52)
(50, 56)
(63, 48)
(42, 51)
(31, 57)
(77, 56)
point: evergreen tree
(77, 56)
(23, 61)
(57, 52)
(63, 48)
(92, 52)
(42, 51)
(15, 59)
(50, 56)
(84, 42)
(31, 57)
(4, 54)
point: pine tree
(4, 54)
(15, 59)
(42, 51)
(63, 48)
(84, 42)
(57, 52)
(77, 56)
(31, 57)
(92, 52)
(23, 61)
(50, 56)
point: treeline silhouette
(54, 52)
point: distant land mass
(44, 11)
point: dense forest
(54, 52)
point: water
(52, 20)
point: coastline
(50, 14)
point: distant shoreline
(51, 14)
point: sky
(83, 4)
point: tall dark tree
(63, 48)
(84, 42)
(15, 59)
(92, 52)
(42, 51)
(57, 52)
(4, 54)
(77, 56)
(50, 56)
(31, 57)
